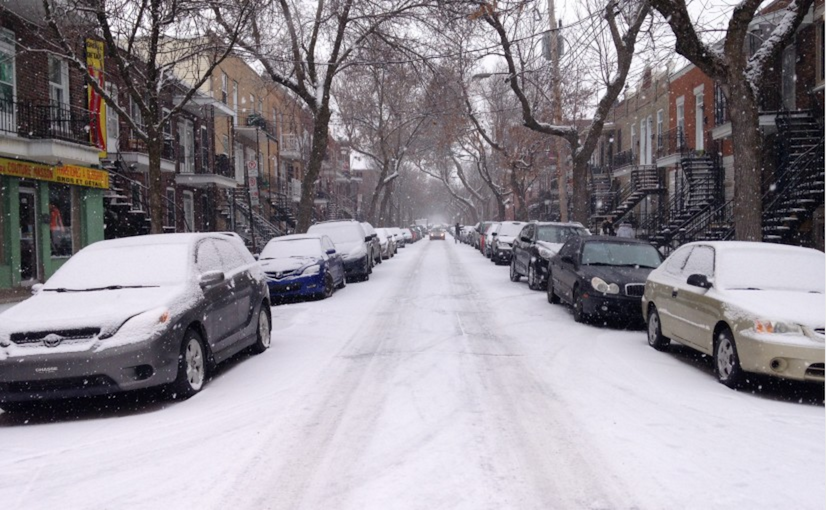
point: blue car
(302, 265)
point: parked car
(502, 244)
(408, 235)
(398, 237)
(487, 237)
(133, 313)
(387, 243)
(302, 265)
(602, 276)
(754, 307)
(478, 233)
(534, 246)
(437, 233)
(375, 245)
(352, 243)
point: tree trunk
(157, 195)
(746, 141)
(580, 192)
(317, 151)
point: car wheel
(514, 274)
(262, 341)
(579, 314)
(192, 366)
(655, 334)
(552, 297)
(726, 361)
(533, 283)
(343, 283)
(329, 286)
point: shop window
(60, 220)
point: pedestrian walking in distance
(456, 237)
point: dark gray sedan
(134, 313)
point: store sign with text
(65, 174)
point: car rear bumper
(42, 374)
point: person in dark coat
(458, 230)
(607, 228)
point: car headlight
(142, 326)
(546, 253)
(768, 326)
(314, 269)
(601, 285)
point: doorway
(28, 236)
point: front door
(28, 236)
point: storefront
(47, 213)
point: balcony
(290, 147)
(670, 145)
(134, 152)
(47, 132)
(221, 174)
(624, 159)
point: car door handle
(674, 293)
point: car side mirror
(36, 288)
(210, 278)
(525, 239)
(368, 239)
(699, 280)
(494, 234)
(331, 251)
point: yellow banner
(97, 108)
(66, 174)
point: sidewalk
(14, 295)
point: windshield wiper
(110, 287)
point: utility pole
(556, 94)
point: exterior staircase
(798, 187)
(694, 204)
(260, 231)
(645, 180)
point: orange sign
(65, 174)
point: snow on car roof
(294, 237)
(153, 239)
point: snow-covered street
(436, 384)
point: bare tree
(146, 40)
(623, 20)
(740, 74)
(378, 108)
(303, 46)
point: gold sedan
(754, 307)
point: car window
(701, 261)
(676, 261)
(327, 244)
(207, 258)
(568, 248)
(528, 232)
(231, 258)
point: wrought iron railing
(40, 120)
(671, 142)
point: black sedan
(602, 276)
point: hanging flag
(97, 121)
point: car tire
(329, 287)
(262, 334)
(726, 361)
(552, 297)
(655, 334)
(579, 315)
(514, 275)
(343, 283)
(192, 366)
(533, 284)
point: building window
(170, 208)
(681, 120)
(235, 100)
(60, 220)
(59, 95)
(8, 122)
(189, 211)
(186, 134)
(224, 85)
(112, 119)
(204, 149)
(137, 197)
(820, 62)
(137, 116)
(206, 214)
(659, 129)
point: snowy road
(437, 384)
